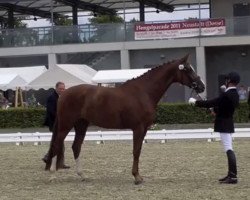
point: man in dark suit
(51, 107)
(224, 107)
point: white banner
(180, 29)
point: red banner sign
(180, 29)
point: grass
(177, 170)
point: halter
(188, 72)
(195, 79)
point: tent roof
(11, 81)
(117, 76)
(27, 73)
(69, 74)
(83, 72)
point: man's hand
(192, 101)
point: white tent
(69, 74)
(11, 81)
(27, 73)
(117, 76)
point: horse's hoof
(81, 175)
(83, 179)
(52, 178)
(139, 181)
(52, 171)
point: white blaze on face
(194, 71)
(192, 67)
(53, 164)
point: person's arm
(208, 103)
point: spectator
(3, 102)
(32, 102)
(51, 108)
(242, 93)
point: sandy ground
(175, 170)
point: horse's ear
(184, 59)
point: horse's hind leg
(80, 131)
(138, 137)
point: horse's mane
(149, 72)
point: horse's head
(187, 76)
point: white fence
(101, 136)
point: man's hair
(59, 83)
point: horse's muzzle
(198, 86)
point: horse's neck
(156, 82)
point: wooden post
(18, 96)
(21, 97)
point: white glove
(192, 101)
(223, 88)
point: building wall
(109, 60)
(96, 60)
(222, 60)
(144, 57)
(224, 8)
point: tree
(134, 20)
(104, 19)
(19, 36)
(105, 28)
(18, 23)
(63, 21)
(61, 35)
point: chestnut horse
(131, 105)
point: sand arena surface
(175, 170)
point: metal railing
(101, 33)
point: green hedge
(166, 114)
(186, 114)
(22, 117)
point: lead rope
(208, 110)
(192, 91)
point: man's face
(60, 89)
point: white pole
(199, 23)
(52, 20)
(124, 14)
(124, 18)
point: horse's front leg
(138, 137)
